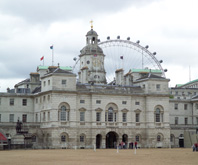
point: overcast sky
(29, 27)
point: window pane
(63, 113)
(137, 138)
(63, 138)
(24, 118)
(98, 114)
(124, 116)
(11, 117)
(137, 117)
(81, 138)
(11, 101)
(24, 102)
(82, 116)
(110, 114)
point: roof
(190, 82)
(69, 68)
(151, 76)
(37, 90)
(146, 70)
(91, 32)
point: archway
(98, 140)
(111, 140)
(125, 140)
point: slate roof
(148, 76)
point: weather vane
(91, 22)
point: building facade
(59, 111)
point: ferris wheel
(128, 55)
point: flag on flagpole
(42, 58)
(51, 47)
(121, 57)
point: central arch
(111, 140)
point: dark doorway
(125, 140)
(181, 143)
(111, 140)
(98, 140)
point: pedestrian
(132, 145)
(136, 145)
(193, 147)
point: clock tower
(92, 61)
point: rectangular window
(36, 117)
(115, 117)
(196, 106)
(11, 101)
(158, 87)
(82, 116)
(11, 119)
(176, 93)
(81, 138)
(186, 121)
(24, 118)
(43, 98)
(48, 116)
(44, 83)
(195, 93)
(98, 116)
(176, 120)
(124, 117)
(43, 116)
(48, 82)
(124, 102)
(48, 97)
(176, 106)
(24, 102)
(196, 120)
(36, 100)
(137, 117)
(137, 103)
(82, 101)
(98, 101)
(64, 82)
(105, 116)
(185, 106)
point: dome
(91, 32)
(89, 49)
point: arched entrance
(125, 140)
(98, 140)
(111, 140)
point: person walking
(136, 145)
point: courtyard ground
(99, 157)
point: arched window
(63, 138)
(158, 138)
(110, 114)
(159, 115)
(63, 113)
(172, 138)
(137, 138)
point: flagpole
(52, 55)
(43, 60)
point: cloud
(28, 28)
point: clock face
(96, 62)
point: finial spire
(91, 22)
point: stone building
(60, 111)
